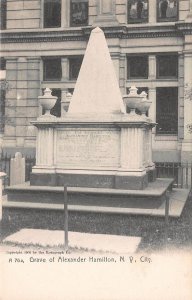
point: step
(177, 200)
(150, 198)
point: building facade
(150, 41)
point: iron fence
(5, 167)
(181, 172)
(5, 162)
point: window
(167, 110)
(52, 69)
(56, 110)
(167, 10)
(3, 16)
(3, 73)
(2, 64)
(137, 67)
(167, 66)
(74, 67)
(71, 91)
(52, 13)
(2, 109)
(2, 68)
(137, 11)
(78, 13)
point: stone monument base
(98, 198)
(82, 152)
(81, 179)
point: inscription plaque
(88, 148)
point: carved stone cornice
(184, 27)
(82, 34)
(40, 35)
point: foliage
(5, 85)
(188, 96)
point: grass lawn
(151, 229)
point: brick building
(150, 41)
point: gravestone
(17, 169)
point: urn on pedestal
(132, 99)
(47, 102)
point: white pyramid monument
(96, 144)
(97, 90)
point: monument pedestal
(85, 152)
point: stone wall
(22, 105)
(183, 9)
(121, 11)
(23, 14)
(28, 13)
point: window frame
(159, 19)
(2, 64)
(45, 60)
(129, 77)
(70, 67)
(70, 15)
(44, 15)
(169, 132)
(137, 21)
(3, 6)
(158, 76)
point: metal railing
(181, 172)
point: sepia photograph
(95, 149)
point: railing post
(191, 174)
(1, 193)
(166, 216)
(65, 219)
(187, 175)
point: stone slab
(156, 188)
(177, 202)
(97, 242)
(131, 182)
(17, 169)
(148, 199)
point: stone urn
(145, 103)
(132, 99)
(47, 102)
